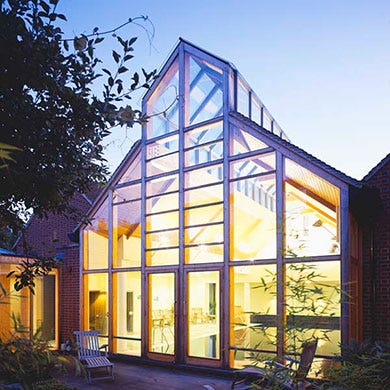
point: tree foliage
(52, 124)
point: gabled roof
(377, 167)
(297, 150)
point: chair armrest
(105, 347)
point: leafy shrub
(363, 366)
(28, 361)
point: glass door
(161, 316)
(203, 318)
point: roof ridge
(377, 167)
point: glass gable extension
(215, 243)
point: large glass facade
(211, 232)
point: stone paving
(142, 377)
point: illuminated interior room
(211, 223)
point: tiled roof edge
(377, 167)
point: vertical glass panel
(202, 215)
(162, 203)
(162, 313)
(203, 234)
(162, 221)
(126, 243)
(162, 185)
(203, 176)
(15, 309)
(44, 308)
(133, 172)
(313, 306)
(124, 194)
(204, 253)
(312, 213)
(127, 306)
(267, 120)
(169, 256)
(243, 142)
(204, 195)
(95, 239)
(204, 314)
(252, 166)
(205, 90)
(254, 309)
(163, 105)
(96, 299)
(256, 110)
(253, 218)
(242, 98)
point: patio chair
(290, 379)
(90, 355)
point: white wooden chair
(89, 353)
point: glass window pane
(15, 307)
(253, 218)
(256, 111)
(126, 235)
(162, 221)
(243, 142)
(124, 194)
(162, 146)
(95, 240)
(242, 98)
(204, 134)
(162, 239)
(162, 313)
(162, 257)
(162, 164)
(96, 309)
(312, 213)
(313, 305)
(203, 176)
(127, 306)
(204, 314)
(203, 215)
(205, 90)
(204, 154)
(253, 322)
(163, 105)
(44, 308)
(252, 166)
(198, 196)
(162, 203)
(162, 185)
(203, 234)
(204, 253)
(133, 172)
(267, 120)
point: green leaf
(99, 39)
(132, 40)
(106, 71)
(122, 69)
(128, 57)
(62, 16)
(116, 56)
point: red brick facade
(48, 237)
(376, 260)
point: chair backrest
(307, 356)
(87, 343)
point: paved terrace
(145, 377)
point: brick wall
(47, 237)
(376, 289)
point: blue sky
(322, 68)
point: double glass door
(184, 330)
